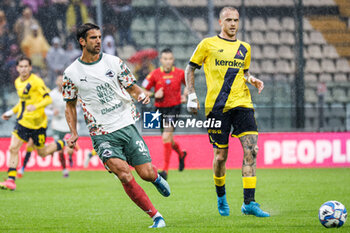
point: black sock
(249, 195)
(220, 190)
(26, 159)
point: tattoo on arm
(189, 77)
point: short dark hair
(23, 58)
(166, 50)
(83, 29)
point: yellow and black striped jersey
(225, 62)
(32, 91)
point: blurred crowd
(44, 30)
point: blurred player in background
(31, 118)
(56, 110)
(226, 62)
(58, 122)
(29, 149)
(105, 87)
(88, 158)
(167, 81)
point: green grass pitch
(94, 201)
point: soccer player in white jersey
(104, 86)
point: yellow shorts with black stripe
(237, 122)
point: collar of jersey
(162, 69)
(227, 39)
(87, 63)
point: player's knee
(220, 157)
(124, 177)
(166, 138)
(42, 153)
(14, 150)
(147, 174)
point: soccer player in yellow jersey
(31, 119)
(226, 62)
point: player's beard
(93, 50)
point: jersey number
(142, 147)
(41, 139)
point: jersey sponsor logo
(234, 63)
(110, 73)
(105, 93)
(114, 107)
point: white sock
(156, 215)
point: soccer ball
(332, 214)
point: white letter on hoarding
(288, 152)
(31, 161)
(306, 151)
(323, 150)
(2, 159)
(338, 157)
(272, 151)
(43, 162)
(348, 150)
(56, 159)
(79, 158)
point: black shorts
(169, 114)
(242, 121)
(38, 135)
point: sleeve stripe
(132, 84)
(194, 65)
(67, 100)
(46, 94)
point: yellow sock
(249, 182)
(29, 149)
(219, 181)
(12, 173)
(220, 185)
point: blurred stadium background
(300, 49)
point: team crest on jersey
(110, 73)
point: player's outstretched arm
(71, 118)
(192, 101)
(7, 115)
(138, 94)
(254, 81)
